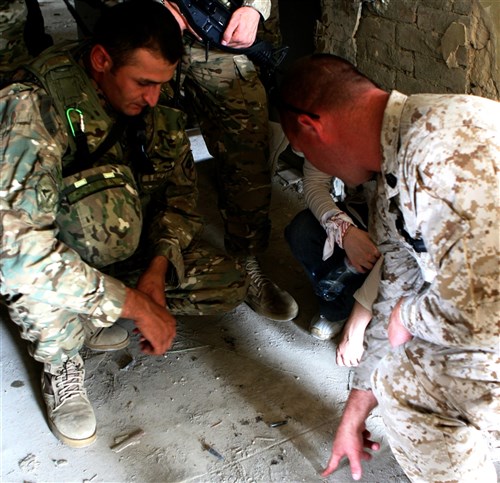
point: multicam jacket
(436, 223)
(35, 146)
(263, 6)
(13, 50)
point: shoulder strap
(77, 102)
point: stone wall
(417, 46)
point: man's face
(327, 154)
(132, 87)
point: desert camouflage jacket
(437, 225)
(34, 146)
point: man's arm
(262, 6)
(34, 262)
(352, 438)
(174, 190)
(360, 249)
(458, 215)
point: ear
(100, 60)
(309, 126)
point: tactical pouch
(100, 215)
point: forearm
(317, 192)
(359, 405)
(175, 221)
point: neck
(363, 127)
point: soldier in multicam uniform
(229, 101)
(432, 356)
(92, 163)
(13, 48)
(22, 34)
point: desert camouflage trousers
(439, 410)
(214, 284)
(229, 102)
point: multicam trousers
(230, 104)
(214, 284)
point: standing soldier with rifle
(223, 89)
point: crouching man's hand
(352, 440)
(154, 322)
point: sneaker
(70, 414)
(323, 329)
(265, 297)
(103, 339)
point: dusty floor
(224, 383)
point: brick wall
(417, 46)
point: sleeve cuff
(110, 308)
(262, 6)
(173, 254)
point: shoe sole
(73, 443)
(271, 316)
(108, 348)
(318, 336)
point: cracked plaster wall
(424, 46)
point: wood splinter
(127, 440)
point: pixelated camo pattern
(441, 155)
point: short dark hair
(138, 24)
(319, 82)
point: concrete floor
(223, 384)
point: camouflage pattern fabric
(13, 49)
(230, 104)
(433, 417)
(270, 29)
(45, 284)
(213, 283)
(263, 6)
(440, 178)
(100, 214)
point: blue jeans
(306, 238)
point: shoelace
(69, 381)
(257, 278)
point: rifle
(209, 19)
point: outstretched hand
(352, 439)
(353, 446)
